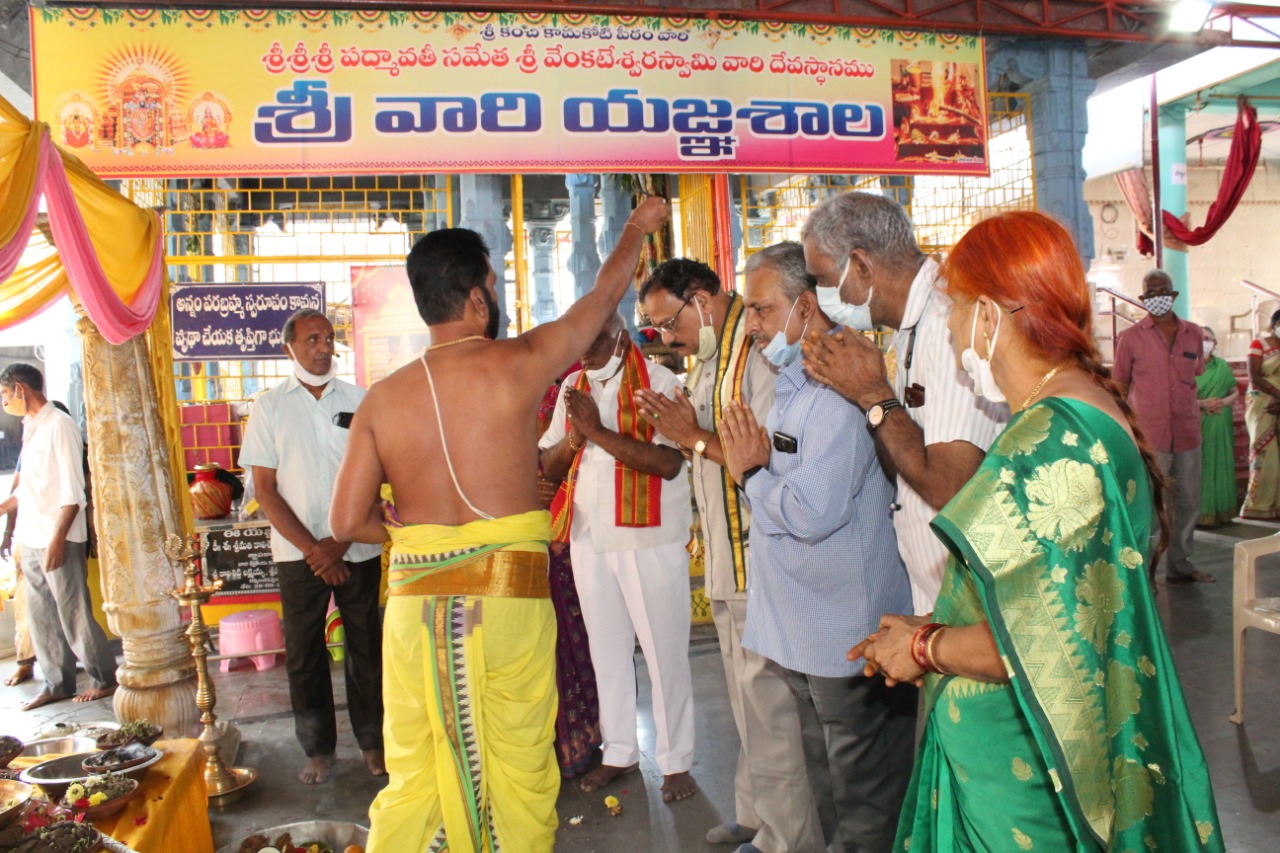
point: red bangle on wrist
(922, 647)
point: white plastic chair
(1249, 610)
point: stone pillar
(1056, 76)
(616, 204)
(483, 211)
(1172, 133)
(584, 260)
(540, 219)
(135, 512)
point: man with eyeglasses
(696, 317)
(293, 445)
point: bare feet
(43, 699)
(678, 786)
(23, 672)
(317, 770)
(603, 775)
(93, 694)
(373, 759)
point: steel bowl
(58, 746)
(337, 834)
(57, 774)
(16, 794)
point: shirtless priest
(469, 632)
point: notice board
(241, 557)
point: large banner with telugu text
(168, 92)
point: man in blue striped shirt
(825, 562)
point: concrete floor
(1244, 760)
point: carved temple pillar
(134, 513)
(1056, 76)
(540, 219)
(616, 203)
(484, 211)
(584, 260)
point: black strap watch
(876, 414)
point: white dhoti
(639, 594)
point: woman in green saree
(1261, 413)
(1217, 393)
(1056, 721)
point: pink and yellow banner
(162, 92)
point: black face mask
(491, 330)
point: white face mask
(842, 313)
(778, 351)
(708, 343)
(979, 369)
(306, 376)
(610, 368)
(1209, 347)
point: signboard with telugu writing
(235, 322)
(150, 92)
(242, 558)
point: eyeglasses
(668, 327)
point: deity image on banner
(78, 118)
(209, 115)
(143, 89)
(937, 112)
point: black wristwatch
(751, 472)
(876, 414)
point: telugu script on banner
(235, 322)
(164, 92)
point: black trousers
(304, 599)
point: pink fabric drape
(1133, 186)
(109, 250)
(11, 252)
(116, 320)
(1246, 145)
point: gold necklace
(457, 341)
(1035, 392)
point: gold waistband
(500, 574)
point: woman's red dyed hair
(1026, 259)
(1028, 263)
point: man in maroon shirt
(1158, 360)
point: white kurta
(633, 583)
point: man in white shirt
(294, 443)
(53, 537)
(931, 430)
(626, 511)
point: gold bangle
(635, 226)
(573, 449)
(928, 651)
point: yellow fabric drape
(124, 237)
(160, 351)
(39, 280)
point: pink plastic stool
(250, 631)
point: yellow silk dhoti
(469, 690)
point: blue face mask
(778, 351)
(838, 311)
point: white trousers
(640, 594)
